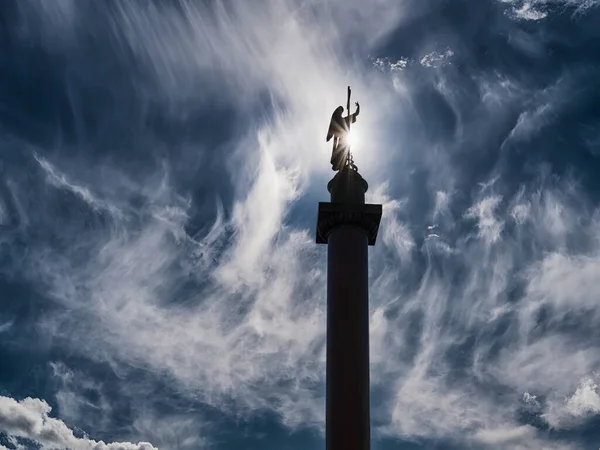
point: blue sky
(160, 169)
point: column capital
(335, 215)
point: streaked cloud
(471, 319)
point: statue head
(338, 111)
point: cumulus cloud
(530, 399)
(385, 64)
(572, 410)
(585, 400)
(526, 10)
(29, 419)
(538, 9)
(435, 59)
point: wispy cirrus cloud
(6, 326)
(231, 315)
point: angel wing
(336, 124)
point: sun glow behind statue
(353, 140)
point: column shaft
(348, 420)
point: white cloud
(530, 399)
(3, 213)
(394, 233)
(422, 406)
(565, 282)
(499, 436)
(530, 122)
(442, 203)
(6, 326)
(29, 419)
(537, 9)
(436, 59)
(520, 213)
(527, 10)
(50, 25)
(489, 225)
(62, 182)
(249, 335)
(427, 405)
(168, 431)
(567, 411)
(386, 64)
(585, 400)
(81, 400)
(255, 334)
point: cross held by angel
(339, 130)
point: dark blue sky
(160, 169)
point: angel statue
(339, 130)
